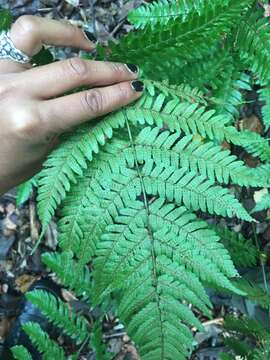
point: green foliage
(25, 191)
(161, 12)
(5, 19)
(242, 251)
(254, 292)
(265, 97)
(46, 346)
(263, 352)
(59, 314)
(134, 188)
(70, 272)
(252, 40)
(21, 353)
(98, 344)
(248, 338)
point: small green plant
(135, 188)
(247, 338)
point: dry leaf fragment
(258, 195)
(251, 123)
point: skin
(34, 111)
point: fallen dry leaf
(258, 195)
(251, 123)
(24, 281)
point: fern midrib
(151, 237)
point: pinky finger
(61, 114)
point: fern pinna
(135, 188)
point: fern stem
(146, 204)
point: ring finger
(29, 33)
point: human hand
(33, 112)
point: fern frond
(265, 98)
(25, 190)
(251, 329)
(162, 11)
(252, 41)
(140, 247)
(71, 273)
(210, 71)
(240, 348)
(263, 352)
(182, 92)
(194, 120)
(228, 98)
(264, 204)
(67, 162)
(179, 185)
(242, 251)
(98, 344)
(192, 37)
(206, 158)
(49, 348)
(60, 315)
(246, 326)
(21, 353)
(254, 292)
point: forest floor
(19, 226)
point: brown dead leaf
(251, 123)
(24, 281)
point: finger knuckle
(26, 125)
(122, 92)
(77, 67)
(93, 101)
(26, 24)
(116, 68)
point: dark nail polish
(89, 36)
(137, 86)
(133, 68)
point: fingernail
(132, 68)
(89, 36)
(137, 86)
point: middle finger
(57, 78)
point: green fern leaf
(71, 273)
(207, 159)
(242, 251)
(67, 162)
(141, 254)
(228, 98)
(21, 353)
(49, 348)
(252, 40)
(263, 352)
(162, 11)
(254, 292)
(192, 37)
(98, 344)
(60, 315)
